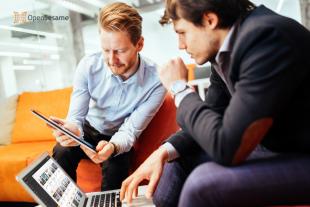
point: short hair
(228, 11)
(121, 17)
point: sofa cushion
(14, 158)
(29, 128)
(7, 114)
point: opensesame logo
(20, 17)
(24, 17)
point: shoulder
(91, 63)
(263, 20)
(150, 67)
(265, 28)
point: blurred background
(42, 55)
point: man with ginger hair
(115, 95)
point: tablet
(59, 127)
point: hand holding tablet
(56, 124)
(61, 138)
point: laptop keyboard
(106, 200)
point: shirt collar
(227, 45)
(138, 76)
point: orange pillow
(27, 127)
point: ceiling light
(30, 31)
(15, 54)
(37, 62)
(23, 67)
(54, 57)
(32, 46)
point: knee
(170, 184)
(203, 186)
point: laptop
(51, 186)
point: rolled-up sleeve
(133, 125)
(80, 96)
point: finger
(133, 187)
(57, 120)
(93, 156)
(61, 139)
(101, 144)
(152, 185)
(85, 150)
(57, 133)
(67, 142)
(125, 184)
(106, 151)
(135, 193)
(103, 156)
(71, 142)
(64, 137)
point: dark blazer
(269, 77)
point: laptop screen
(52, 185)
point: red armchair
(161, 127)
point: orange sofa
(31, 137)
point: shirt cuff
(118, 149)
(172, 152)
(180, 96)
(123, 142)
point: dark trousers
(114, 170)
(264, 179)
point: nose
(182, 45)
(112, 58)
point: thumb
(101, 145)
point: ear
(211, 20)
(140, 44)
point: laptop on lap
(51, 186)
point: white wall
(40, 79)
(161, 43)
(8, 77)
(290, 8)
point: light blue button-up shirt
(121, 109)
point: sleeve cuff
(122, 143)
(180, 96)
(172, 152)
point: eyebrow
(125, 48)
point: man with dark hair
(248, 143)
